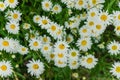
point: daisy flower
(60, 62)
(115, 70)
(84, 31)
(35, 44)
(46, 5)
(35, 67)
(117, 29)
(23, 50)
(116, 17)
(92, 13)
(2, 6)
(80, 4)
(11, 3)
(61, 46)
(69, 38)
(56, 8)
(12, 27)
(105, 17)
(15, 15)
(73, 54)
(45, 48)
(45, 39)
(26, 26)
(6, 44)
(88, 61)
(36, 18)
(84, 44)
(44, 22)
(73, 64)
(5, 69)
(113, 47)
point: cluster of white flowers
(61, 43)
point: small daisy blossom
(35, 67)
(115, 70)
(11, 3)
(5, 68)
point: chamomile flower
(105, 17)
(5, 69)
(11, 3)
(69, 38)
(56, 8)
(92, 13)
(60, 55)
(90, 23)
(84, 31)
(35, 67)
(36, 18)
(61, 46)
(84, 44)
(61, 62)
(73, 54)
(51, 55)
(88, 61)
(113, 47)
(26, 26)
(45, 48)
(117, 29)
(115, 70)
(46, 5)
(53, 27)
(2, 6)
(15, 15)
(12, 27)
(93, 3)
(23, 50)
(80, 4)
(116, 17)
(44, 22)
(73, 64)
(45, 39)
(34, 44)
(6, 44)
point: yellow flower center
(35, 43)
(47, 5)
(117, 69)
(98, 27)
(73, 54)
(15, 16)
(52, 56)
(114, 47)
(3, 67)
(37, 18)
(53, 28)
(45, 48)
(91, 23)
(84, 43)
(68, 39)
(94, 2)
(60, 55)
(59, 32)
(80, 2)
(12, 26)
(60, 62)
(35, 66)
(5, 43)
(23, 49)
(1, 5)
(44, 22)
(11, 1)
(56, 8)
(118, 28)
(45, 39)
(92, 14)
(103, 17)
(89, 60)
(74, 63)
(119, 16)
(62, 46)
(84, 30)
